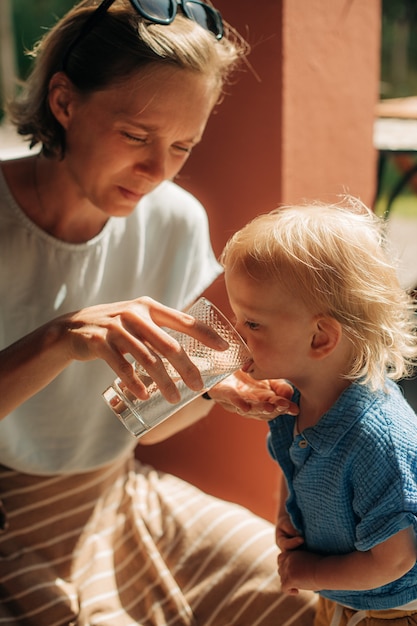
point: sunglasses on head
(157, 12)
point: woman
(118, 97)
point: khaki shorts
(326, 610)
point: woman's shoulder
(16, 186)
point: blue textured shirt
(352, 481)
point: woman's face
(123, 141)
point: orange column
(297, 125)
(330, 87)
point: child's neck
(322, 383)
(316, 402)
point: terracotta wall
(298, 125)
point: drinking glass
(139, 416)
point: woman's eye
(134, 138)
(185, 149)
(252, 325)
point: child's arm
(355, 571)
(286, 536)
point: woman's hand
(109, 332)
(112, 331)
(259, 399)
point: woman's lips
(133, 196)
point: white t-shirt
(162, 250)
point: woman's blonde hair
(336, 259)
(119, 45)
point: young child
(317, 299)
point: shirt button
(302, 443)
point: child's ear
(326, 337)
(60, 97)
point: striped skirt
(127, 545)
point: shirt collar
(340, 418)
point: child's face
(276, 325)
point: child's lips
(248, 367)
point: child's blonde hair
(335, 258)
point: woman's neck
(45, 194)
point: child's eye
(252, 325)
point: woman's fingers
(114, 331)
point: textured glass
(140, 415)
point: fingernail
(283, 406)
(293, 413)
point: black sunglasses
(158, 12)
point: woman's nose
(154, 166)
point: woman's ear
(326, 337)
(60, 97)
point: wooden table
(395, 137)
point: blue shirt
(352, 481)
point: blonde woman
(318, 301)
(100, 251)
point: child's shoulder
(389, 416)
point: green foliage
(399, 48)
(400, 10)
(30, 20)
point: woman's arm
(107, 332)
(355, 571)
(110, 332)
(28, 365)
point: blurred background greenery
(21, 24)
(398, 79)
(30, 20)
(398, 48)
